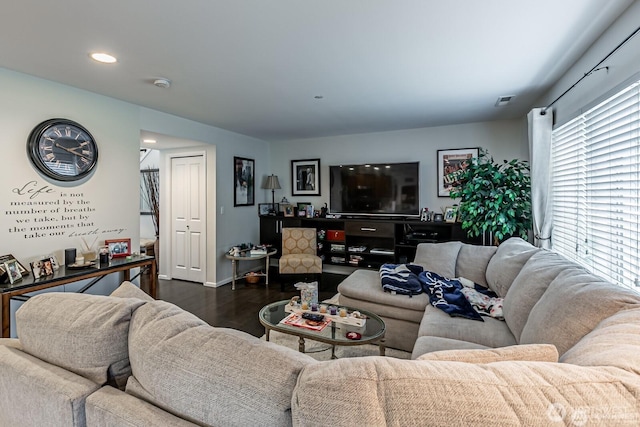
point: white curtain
(540, 126)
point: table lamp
(272, 184)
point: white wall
(624, 66)
(504, 140)
(113, 190)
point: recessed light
(103, 57)
(149, 141)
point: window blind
(596, 188)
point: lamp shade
(272, 183)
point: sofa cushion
(129, 290)
(490, 333)
(37, 393)
(472, 262)
(614, 342)
(86, 334)
(365, 285)
(111, 407)
(506, 264)
(208, 375)
(379, 391)
(574, 303)
(427, 344)
(438, 257)
(528, 287)
(531, 352)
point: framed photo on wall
(305, 177)
(243, 181)
(451, 163)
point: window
(596, 188)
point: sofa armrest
(112, 407)
(37, 393)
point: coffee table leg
(333, 352)
(301, 345)
(266, 333)
(382, 347)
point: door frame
(166, 255)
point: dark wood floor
(237, 309)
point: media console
(364, 242)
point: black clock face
(62, 149)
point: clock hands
(72, 151)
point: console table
(65, 275)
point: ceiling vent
(504, 100)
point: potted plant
(495, 198)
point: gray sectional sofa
(567, 354)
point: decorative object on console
(272, 183)
(243, 181)
(288, 210)
(6, 258)
(451, 164)
(12, 270)
(119, 248)
(305, 177)
(449, 214)
(62, 149)
(268, 208)
(504, 207)
(69, 256)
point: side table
(248, 257)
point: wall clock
(62, 149)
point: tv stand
(364, 242)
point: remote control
(313, 316)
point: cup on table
(343, 312)
(323, 308)
(304, 305)
(314, 306)
(333, 310)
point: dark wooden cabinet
(364, 242)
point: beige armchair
(299, 252)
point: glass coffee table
(334, 333)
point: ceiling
(255, 67)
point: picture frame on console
(450, 164)
(268, 208)
(305, 177)
(119, 248)
(288, 210)
(243, 181)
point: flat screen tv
(375, 189)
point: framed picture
(302, 209)
(288, 210)
(451, 163)
(119, 247)
(13, 270)
(9, 257)
(268, 208)
(450, 214)
(243, 181)
(305, 177)
(46, 267)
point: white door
(188, 210)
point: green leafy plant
(495, 197)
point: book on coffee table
(295, 319)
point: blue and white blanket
(401, 279)
(460, 297)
